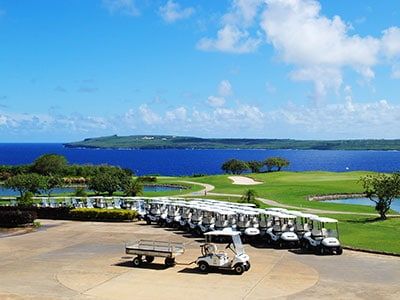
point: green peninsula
(186, 142)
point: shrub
(16, 217)
(97, 214)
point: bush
(13, 217)
(98, 214)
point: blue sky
(303, 69)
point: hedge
(68, 213)
(16, 217)
(98, 214)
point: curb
(371, 251)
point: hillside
(182, 142)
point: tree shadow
(365, 221)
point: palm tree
(249, 196)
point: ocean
(175, 162)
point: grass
(369, 233)
(293, 188)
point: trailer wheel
(239, 269)
(203, 266)
(137, 261)
(169, 262)
(149, 258)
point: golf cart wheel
(148, 222)
(203, 266)
(339, 251)
(137, 261)
(248, 265)
(239, 269)
(169, 262)
(321, 251)
(149, 258)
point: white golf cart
(154, 211)
(213, 258)
(225, 219)
(282, 234)
(207, 221)
(322, 238)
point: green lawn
(293, 188)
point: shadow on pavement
(144, 265)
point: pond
(147, 188)
(365, 201)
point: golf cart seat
(210, 249)
(317, 234)
(277, 228)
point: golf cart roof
(324, 220)
(301, 214)
(222, 233)
(277, 209)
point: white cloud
(391, 42)
(224, 91)
(125, 7)
(318, 46)
(172, 12)
(178, 114)
(225, 88)
(215, 101)
(230, 39)
(234, 36)
(148, 116)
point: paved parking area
(86, 260)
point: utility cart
(148, 250)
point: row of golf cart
(278, 227)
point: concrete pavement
(86, 260)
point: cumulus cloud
(224, 90)
(319, 47)
(234, 35)
(125, 7)
(215, 101)
(148, 116)
(172, 12)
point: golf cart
(282, 234)
(213, 258)
(208, 220)
(321, 239)
(154, 211)
(225, 219)
(247, 223)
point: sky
(302, 69)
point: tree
(276, 162)
(49, 164)
(234, 166)
(249, 196)
(382, 189)
(51, 182)
(24, 183)
(134, 187)
(109, 180)
(255, 166)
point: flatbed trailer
(149, 249)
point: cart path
(208, 188)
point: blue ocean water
(365, 201)
(188, 162)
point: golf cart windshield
(237, 244)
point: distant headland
(186, 142)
